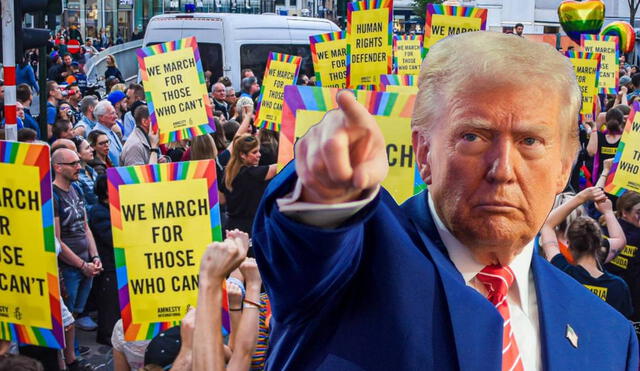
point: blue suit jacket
(380, 293)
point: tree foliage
(633, 9)
(420, 7)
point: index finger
(354, 112)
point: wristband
(249, 304)
(95, 257)
(83, 264)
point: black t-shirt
(627, 263)
(69, 207)
(607, 287)
(248, 187)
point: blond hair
(453, 62)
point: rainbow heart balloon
(577, 18)
(624, 31)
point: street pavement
(100, 356)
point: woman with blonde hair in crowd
(244, 182)
(112, 69)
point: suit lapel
(477, 326)
(555, 313)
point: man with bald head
(63, 143)
(449, 280)
(79, 260)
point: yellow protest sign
(329, 54)
(282, 70)
(175, 89)
(163, 217)
(305, 106)
(608, 47)
(407, 54)
(625, 170)
(369, 42)
(444, 20)
(30, 308)
(586, 67)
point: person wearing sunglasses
(244, 182)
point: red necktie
(497, 280)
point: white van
(229, 43)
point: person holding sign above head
(244, 182)
(451, 274)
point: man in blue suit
(357, 282)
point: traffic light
(28, 38)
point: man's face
(131, 98)
(494, 164)
(56, 92)
(231, 96)
(67, 60)
(122, 106)
(68, 133)
(255, 88)
(69, 167)
(20, 110)
(519, 30)
(218, 92)
(109, 118)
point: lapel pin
(571, 336)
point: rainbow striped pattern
(173, 171)
(581, 55)
(324, 99)
(38, 155)
(577, 18)
(365, 5)
(285, 58)
(184, 133)
(625, 33)
(322, 38)
(401, 80)
(614, 39)
(610, 187)
(401, 38)
(456, 11)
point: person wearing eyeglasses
(79, 259)
(100, 142)
(244, 182)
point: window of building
(254, 56)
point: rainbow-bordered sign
(625, 170)
(306, 105)
(282, 70)
(160, 215)
(30, 308)
(329, 54)
(444, 20)
(175, 90)
(369, 42)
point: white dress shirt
(522, 299)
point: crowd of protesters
(592, 236)
(88, 133)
